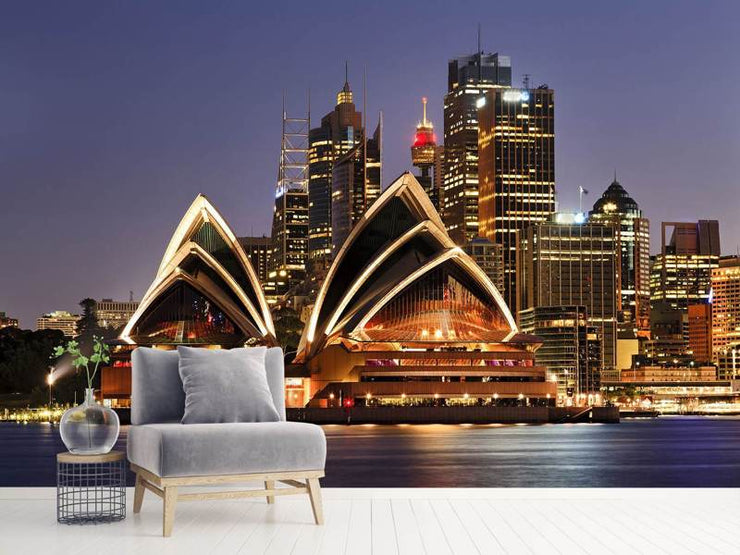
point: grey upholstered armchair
(167, 455)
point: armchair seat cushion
(176, 450)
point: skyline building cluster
(584, 283)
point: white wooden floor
(403, 521)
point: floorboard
(396, 522)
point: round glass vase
(90, 428)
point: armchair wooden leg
(270, 484)
(314, 492)
(168, 513)
(138, 493)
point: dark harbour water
(662, 452)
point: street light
(50, 381)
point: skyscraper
(681, 274)
(425, 155)
(488, 256)
(725, 301)
(355, 186)
(468, 77)
(574, 265)
(259, 252)
(289, 254)
(340, 131)
(616, 207)
(516, 169)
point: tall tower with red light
(425, 155)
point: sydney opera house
(407, 317)
(205, 293)
(404, 316)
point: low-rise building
(571, 350)
(59, 320)
(679, 389)
(7, 322)
(728, 362)
(114, 314)
(661, 374)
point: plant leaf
(80, 362)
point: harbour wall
(453, 415)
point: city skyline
(99, 164)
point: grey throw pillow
(156, 387)
(225, 386)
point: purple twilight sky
(113, 116)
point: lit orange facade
(700, 331)
(662, 374)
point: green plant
(100, 353)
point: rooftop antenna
(380, 146)
(581, 192)
(346, 71)
(615, 174)
(364, 136)
(480, 57)
(525, 80)
(130, 296)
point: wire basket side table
(91, 488)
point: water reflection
(676, 452)
(668, 451)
